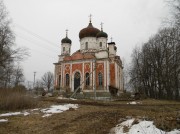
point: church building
(95, 66)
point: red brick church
(95, 66)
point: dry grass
(15, 99)
(91, 118)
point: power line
(36, 50)
(39, 37)
(35, 35)
(43, 53)
(35, 43)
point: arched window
(87, 79)
(59, 80)
(100, 44)
(63, 49)
(67, 79)
(100, 79)
(86, 47)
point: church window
(87, 79)
(100, 44)
(100, 79)
(67, 79)
(69, 50)
(86, 47)
(63, 49)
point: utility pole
(34, 79)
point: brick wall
(112, 74)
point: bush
(16, 98)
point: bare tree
(176, 12)
(126, 78)
(6, 37)
(8, 55)
(47, 80)
(18, 76)
(156, 68)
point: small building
(95, 66)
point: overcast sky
(128, 22)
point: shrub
(16, 98)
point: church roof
(79, 56)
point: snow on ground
(3, 120)
(134, 102)
(57, 109)
(143, 127)
(61, 98)
(47, 111)
(26, 113)
(36, 109)
(72, 99)
(14, 113)
(46, 115)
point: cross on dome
(111, 39)
(66, 39)
(90, 17)
(101, 26)
(66, 32)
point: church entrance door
(77, 79)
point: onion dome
(102, 34)
(89, 31)
(66, 39)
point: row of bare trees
(156, 66)
(46, 82)
(155, 69)
(11, 73)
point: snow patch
(3, 120)
(143, 127)
(64, 98)
(26, 113)
(72, 99)
(10, 114)
(36, 109)
(134, 102)
(14, 113)
(57, 109)
(47, 111)
(61, 98)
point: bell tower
(66, 45)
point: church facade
(95, 66)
